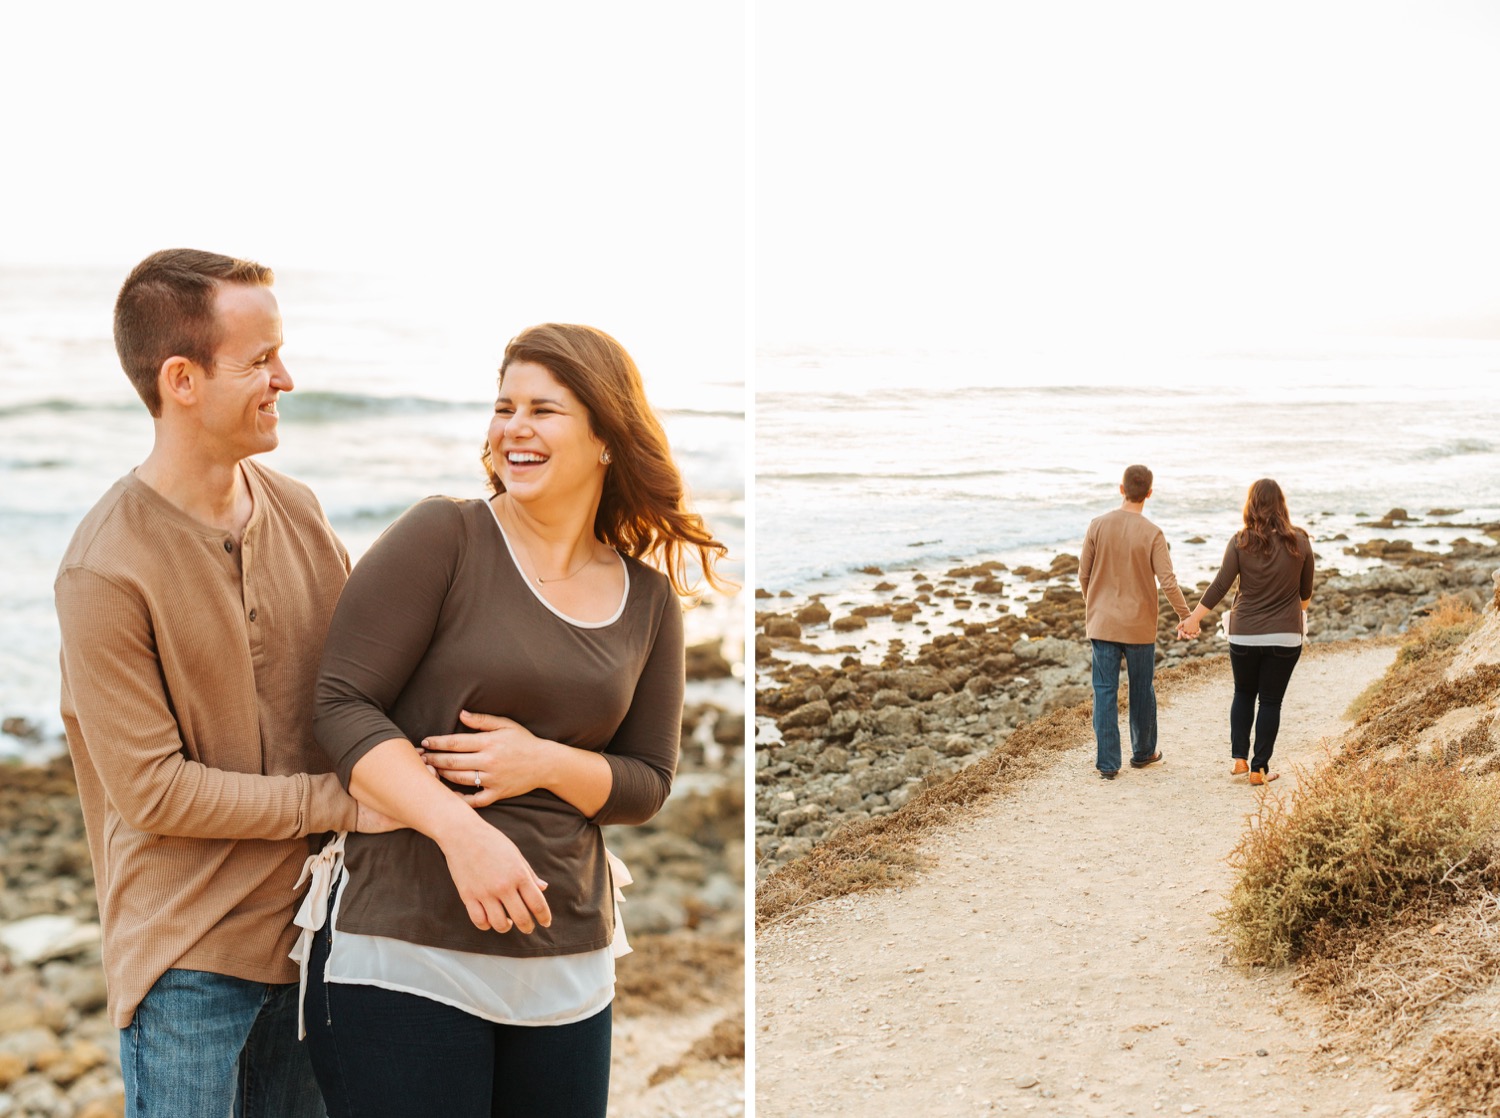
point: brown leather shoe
(1151, 760)
(1241, 767)
(1264, 778)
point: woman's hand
(496, 883)
(502, 759)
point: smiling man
(193, 602)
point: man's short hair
(166, 309)
(1137, 483)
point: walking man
(193, 602)
(1123, 560)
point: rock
(1050, 650)
(33, 1044)
(879, 780)
(957, 745)
(849, 623)
(808, 714)
(111, 1107)
(895, 722)
(21, 728)
(12, 1067)
(778, 626)
(918, 760)
(814, 613)
(37, 938)
(833, 759)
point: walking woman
(465, 967)
(1274, 564)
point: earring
(604, 458)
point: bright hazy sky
(952, 172)
(520, 162)
(957, 172)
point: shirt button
(228, 545)
(252, 615)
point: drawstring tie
(322, 869)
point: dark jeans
(1261, 672)
(385, 1054)
(1140, 668)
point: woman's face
(541, 445)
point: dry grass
(1427, 649)
(1353, 844)
(882, 852)
(1379, 875)
(724, 1044)
(1382, 985)
(676, 972)
(1459, 1074)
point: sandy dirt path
(1061, 956)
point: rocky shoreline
(59, 1055)
(840, 738)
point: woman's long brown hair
(1267, 520)
(643, 512)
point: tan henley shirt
(1124, 557)
(188, 662)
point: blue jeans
(1140, 666)
(1261, 673)
(206, 1045)
(389, 1054)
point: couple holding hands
(1125, 557)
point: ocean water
(391, 404)
(904, 460)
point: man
(1124, 557)
(193, 601)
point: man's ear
(177, 380)
(1148, 494)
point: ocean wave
(322, 407)
(1455, 448)
(58, 406)
(876, 475)
(698, 413)
(923, 476)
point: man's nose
(281, 377)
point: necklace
(529, 559)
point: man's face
(238, 402)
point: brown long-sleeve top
(1272, 587)
(188, 662)
(1124, 556)
(437, 618)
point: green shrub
(1353, 843)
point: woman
(466, 965)
(1274, 563)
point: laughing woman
(466, 965)
(1273, 561)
